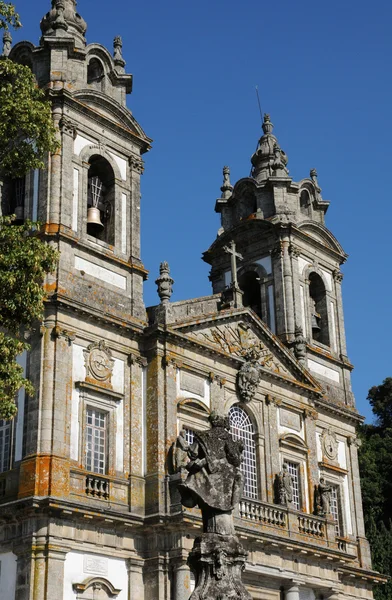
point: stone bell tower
(289, 271)
(71, 471)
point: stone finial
(269, 160)
(117, 52)
(164, 283)
(313, 176)
(226, 188)
(7, 43)
(64, 21)
(267, 126)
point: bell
(94, 216)
(19, 213)
(315, 323)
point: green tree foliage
(24, 262)
(8, 16)
(27, 135)
(27, 132)
(375, 460)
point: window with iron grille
(242, 429)
(96, 439)
(293, 469)
(5, 445)
(335, 508)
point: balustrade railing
(262, 513)
(311, 525)
(97, 487)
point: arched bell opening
(100, 199)
(95, 73)
(305, 203)
(249, 283)
(318, 309)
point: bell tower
(289, 272)
(89, 197)
(70, 451)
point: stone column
(67, 129)
(294, 254)
(292, 592)
(135, 579)
(137, 433)
(272, 445)
(364, 548)
(277, 270)
(341, 334)
(53, 212)
(55, 573)
(310, 419)
(288, 290)
(182, 581)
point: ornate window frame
(95, 583)
(294, 450)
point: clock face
(330, 446)
(100, 364)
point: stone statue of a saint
(180, 453)
(324, 497)
(215, 480)
(215, 484)
(285, 486)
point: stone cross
(234, 255)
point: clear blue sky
(324, 74)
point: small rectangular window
(5, 445)
(96, 441)
(293, 469)
(189, 435)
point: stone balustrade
(263, 513)
(310, 525)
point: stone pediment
(235, 334)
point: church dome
(269, 159)
(63, 21)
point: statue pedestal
(217, 562)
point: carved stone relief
(329, 444)
(99, 362)
(237, 340)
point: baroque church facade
(89, 469)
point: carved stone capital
(136, 164)
(310, 413)
(278, 250)
(221, 381)
(338, 276)
(67, 126)
(59, 332)
(294, 251)
(354, 441)
(168, 361)
(272, 400)
(136, 359)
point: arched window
(318, 309)
(100, 200)
(304, 203)
(242, 429)
(95, 73)
(249, 283)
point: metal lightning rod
(258, 101)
